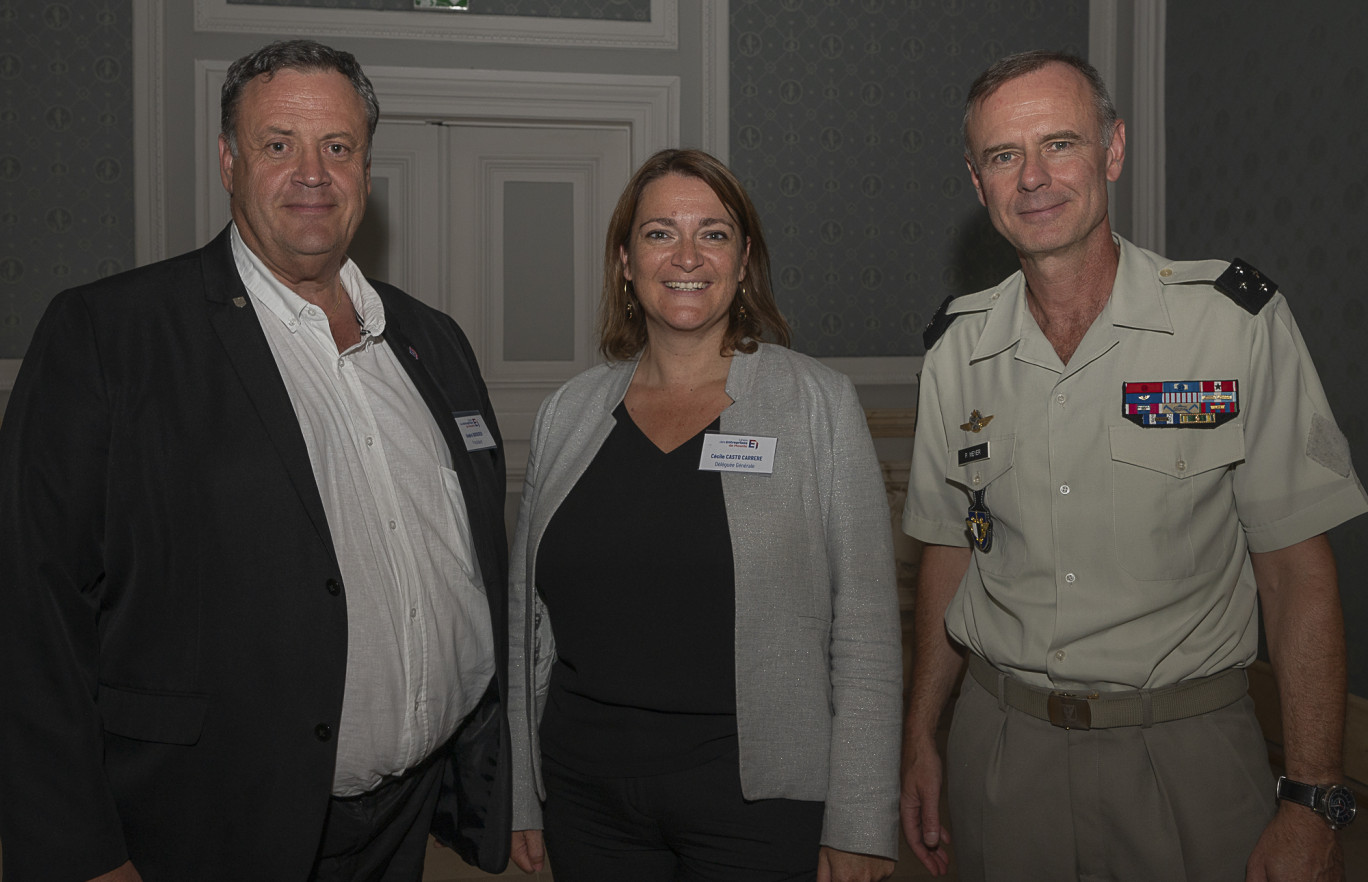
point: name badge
(973, 454)
(474, 431)
(737, 453)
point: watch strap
(1296, 791)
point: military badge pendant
(980, 523)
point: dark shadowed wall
(1266, 138)
(66, 153)
(846, 131)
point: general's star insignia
(976, 422)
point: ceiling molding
(660, 32)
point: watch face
(1340, 806)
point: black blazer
(173, 631)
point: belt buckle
(1069, 710)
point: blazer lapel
(235, 321)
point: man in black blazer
(222, 550)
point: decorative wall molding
(647, 106)
(9, 370)
(893, 370)
(149, 132)
(661, 32)
(1126, 44)
(716, 63)
(1149, 173)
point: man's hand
(125, 872)
(528, 852)
(1298, 846)
(834, 865)
(920, 806)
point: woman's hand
(528, 852)
(834, 865)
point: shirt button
(978, 479)
(1070, 578)
(1059, 656)
(323, 731)
(413, 613)
(393, 525)
(1064, 489)
(1182, 465)
(334, 587)
(370, 441)
(1166, 272)
(1061, 398)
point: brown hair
(621, 337)
(1004, 70)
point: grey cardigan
(818, 655)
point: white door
(500, 226)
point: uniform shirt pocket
(996, 477)
(1172, 500)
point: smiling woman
(685, 259)
(713, 501)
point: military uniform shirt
(1119, 557)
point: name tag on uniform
(474, 431)
(973, 454)
(737, 453)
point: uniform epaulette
(1246, 286)
(939, 324)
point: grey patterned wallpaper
(845, 120)
(1269, 167)
(66, 153)
(608, 10)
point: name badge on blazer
(753, 454)
(473, 430)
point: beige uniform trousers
(1182, 801)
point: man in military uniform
(1119, 459)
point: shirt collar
(1136, 302)
(1137, 299)
(287, 306)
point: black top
(635, 569)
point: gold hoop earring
(630, 311)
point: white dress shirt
(420, 648)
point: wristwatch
(1334, 802)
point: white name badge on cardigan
(473, 430)
(737, 453)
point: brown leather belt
(1107, 710)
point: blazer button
(322, 731)
(334, 587)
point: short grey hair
(1009, 68)
(301, 55)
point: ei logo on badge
(747, 454)
(473, 430)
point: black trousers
(686, 826)
(380, 836)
